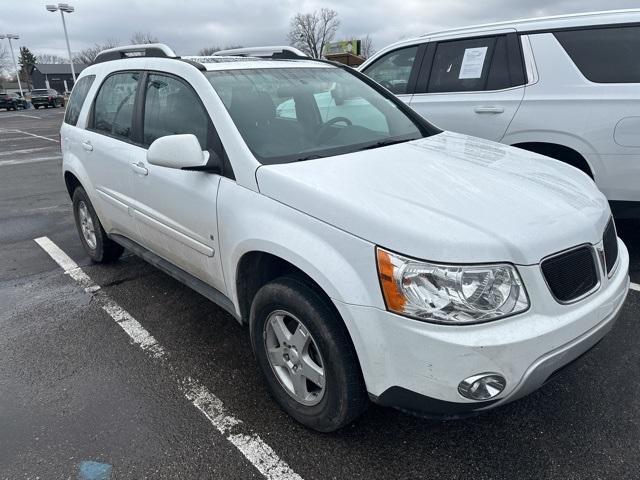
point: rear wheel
(96, 243)
(305, 355)
(36, 106)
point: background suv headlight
(450, 294)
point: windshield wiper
(308, 157)
(385, 143)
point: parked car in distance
(372, 255)
(46, 97)
(12, 101)
(567, 87)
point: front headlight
(450, 294)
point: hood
(447, 198)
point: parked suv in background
(372, 255)
(46, 97)
(12, 101)
(567, 87)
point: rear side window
(172, 107)
(78, 96)
(393, 70)
(604, 55)
(476, 64)
(113, 107)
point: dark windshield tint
(289, 114)
(40, 92)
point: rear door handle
(489, 109)
(87, 145)
(139, 168)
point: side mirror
(182, 152)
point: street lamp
(11, 36)
(65, 8)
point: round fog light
(483, 386)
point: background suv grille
(610, 243)
(572, 274)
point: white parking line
(15, 130)
(261, 455)
(29, 160)
(24, 150)
(634, 286)
(21, 115)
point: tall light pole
(65, 8)
(10, 36)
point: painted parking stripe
(29, 160)
(15, 130)
(254, 449)
(21, 115)
(634, 286)
(23, 151)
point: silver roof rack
(132, 51)
(263, 52)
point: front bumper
(417, 366)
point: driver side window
(392, 70)
(113, 107)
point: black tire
(345, 397)
(46, 106)
(36, 106)
(106, 250)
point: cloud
(189, 25)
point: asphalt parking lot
(77, 386)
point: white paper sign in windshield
(472, 62)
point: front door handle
(139, 168)
(87, 145)
(494, 110)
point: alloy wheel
(294, 357)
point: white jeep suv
(567, 87)
(371, 255)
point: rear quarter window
(78, 96)
(604, 55)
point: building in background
(54, 75)
(345, 51)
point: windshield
(40, 92)
(292, 114)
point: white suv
(567, 87)
(371, 255)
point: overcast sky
(188, 25)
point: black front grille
(571, 274)
(610, 242)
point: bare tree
(50, 58)
(310, 32)
(88, 55)
(366, 47)
(208, 51)
(142, 37)
(5, 60)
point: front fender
(341, 264)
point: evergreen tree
(26, 61)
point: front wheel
(94, 239)
(305, 354)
